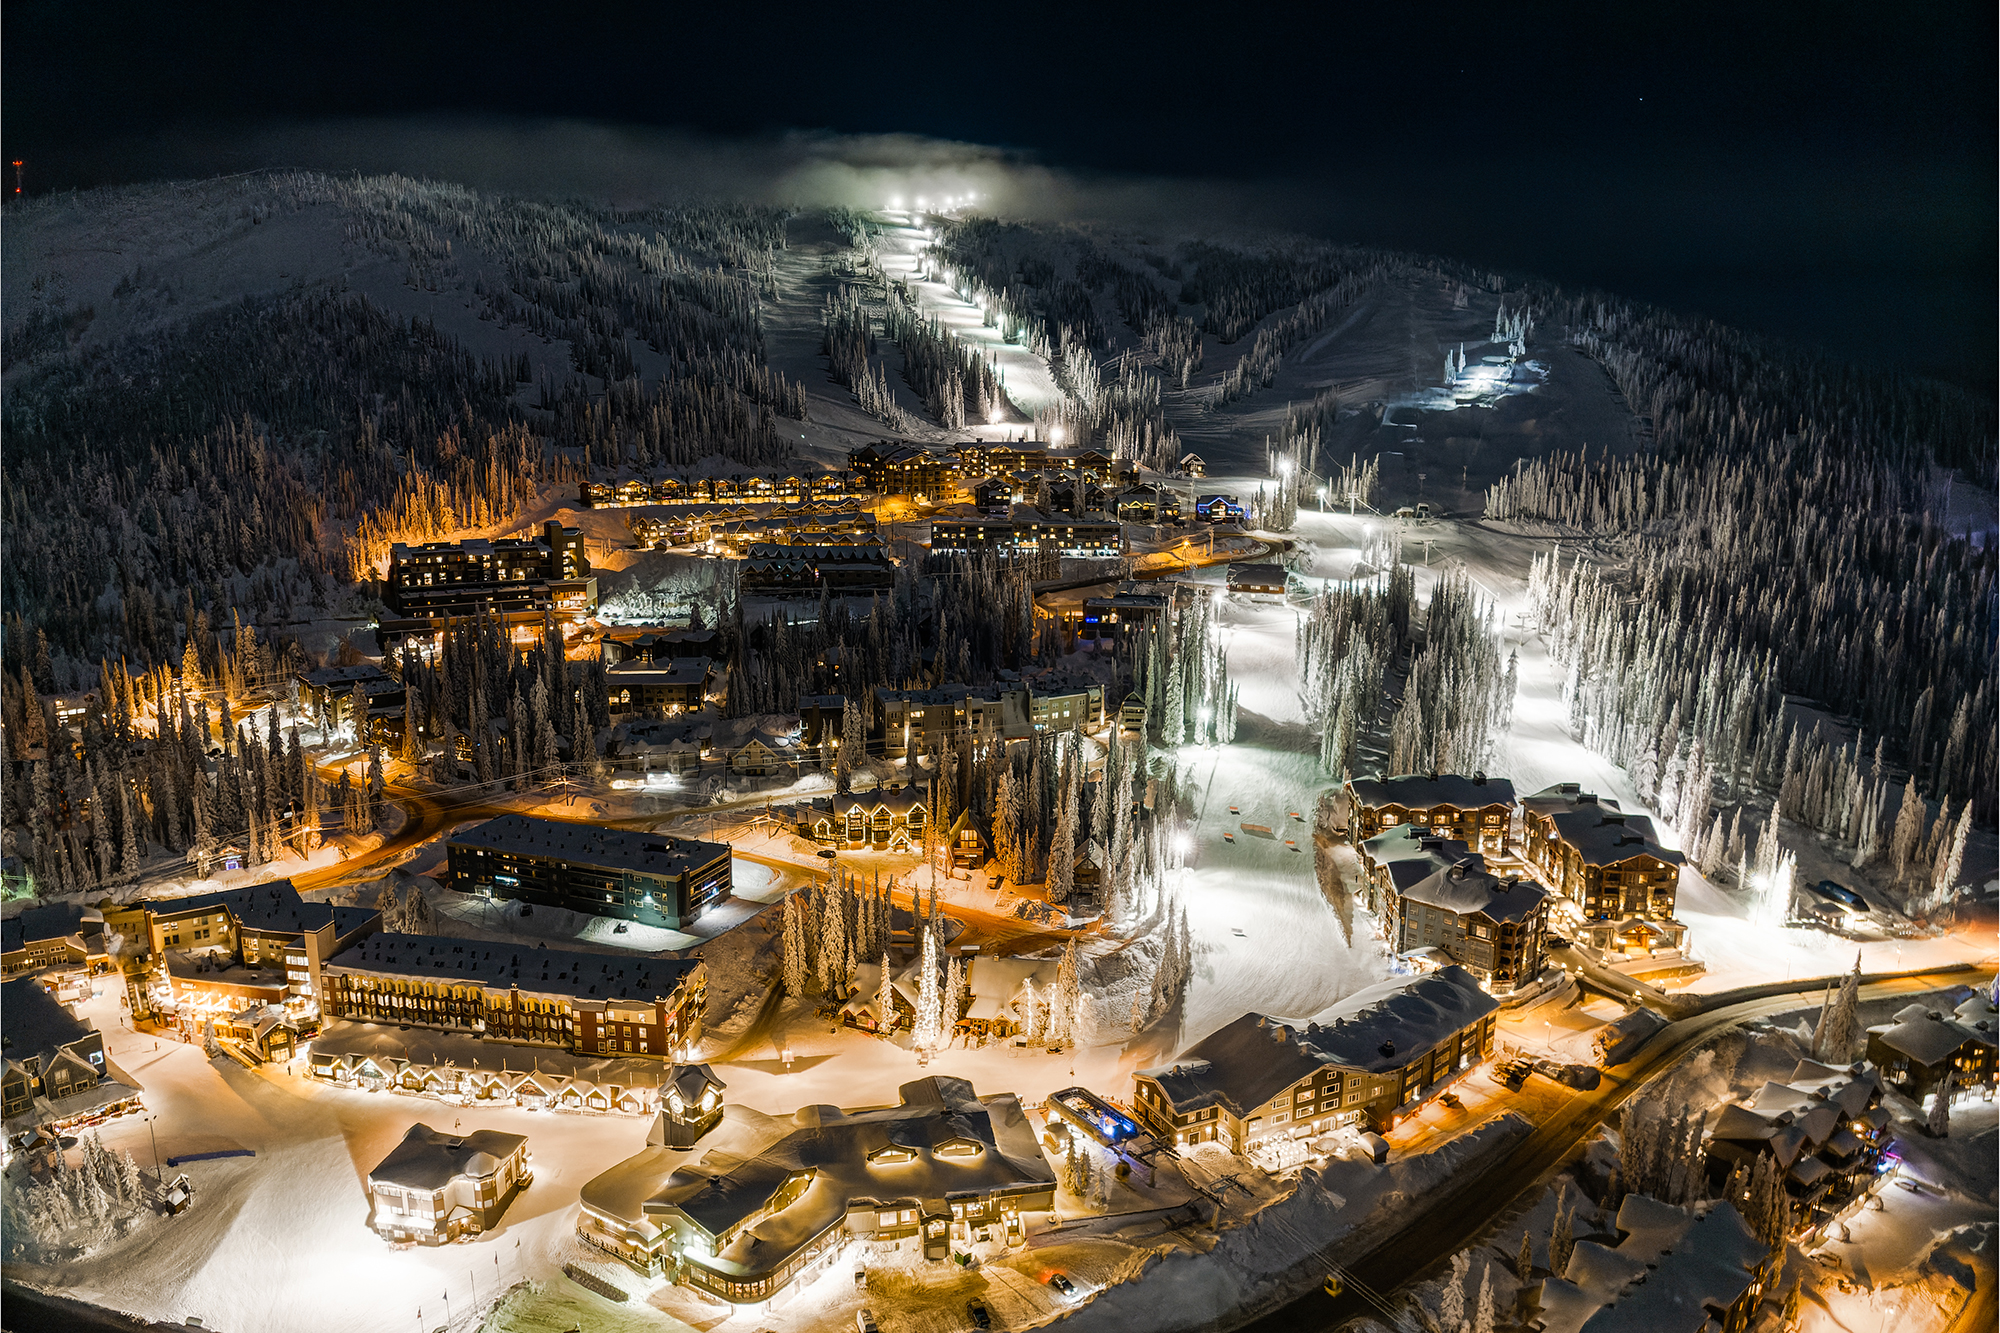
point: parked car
(981, 1316)
(1062, 1284)
(864, 1321)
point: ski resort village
(778, 769)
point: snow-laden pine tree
(929, 1032)
(1451, 1297)
(793, 953)
(1938, 1121)
(833, 942)
(885, 999)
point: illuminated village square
(1144, 808)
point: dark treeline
(1784, 539)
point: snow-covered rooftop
(1417, 791)
(429, 1159)
(1383, 1027)
(503, 966)
(591, 844)
(1468, 888)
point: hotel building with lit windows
(446, 580)
(584, 1003)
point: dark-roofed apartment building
(210, 955)
(504, 574)
(1622, 886)
(743, 1204)
(1915, 1051)
(586, 1003)
(55, 1072)
(435, 1187)
(59, 935)
(646, 877)
(1492, 927)
(1371, 1059)
(1475, 810)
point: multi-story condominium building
(1620, 885)
(645, 877)
(1147, 504)
(585, 1003)
(1921, 1044)
(660, 685)
(1028, 528)
(212, 955)
(905, 469)
(1474, 810)
(912, 719)
(508, 574)
(1674, 1270)
(742, 1206)
(66, 935)
(1370, 1060)
(1059, 700)
(1492, 927)
(55, 1074)
(436, 1186)
(1396, 860)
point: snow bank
(1273, 1257)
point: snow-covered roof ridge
(1382, 1027)
(1674, 1268)
(500, 965)
(1467, 887)
(429, 1159)
(1422, 791)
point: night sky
(1822, 173)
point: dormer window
(891, 1155)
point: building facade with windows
(64, 935)
(1491, 927)
(746, 1207)
(1620, 885)
(658, 685)
(55, 1074)
(904, 469)
(1921, 1045)
(210, 955)
(506, 574)
(585, 1003)
(1370, 1061)
(435, 1187)
(639, 876)
(1476, 810)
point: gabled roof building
(1371, 1060)
(435, 1187)
(55, 1072)
(1476, 810)
(1921, 1044)
(1492, 927)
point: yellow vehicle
(1334, 1286)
